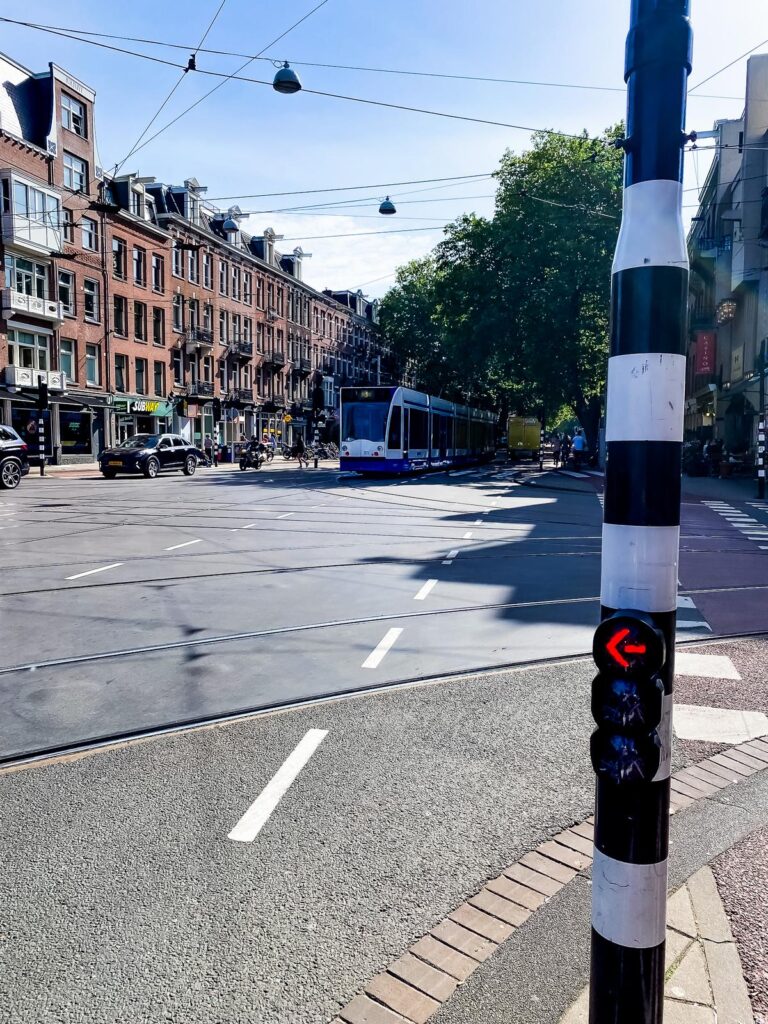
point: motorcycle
(251, 459)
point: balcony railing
(31, 305)
(240, 349)
(241, 394)
(198, 337)
(200, 388)
(26, 377)
(306, 365)
(275, 358)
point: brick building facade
(143, 306)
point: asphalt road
(122, 897)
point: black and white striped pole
(761, 425)
(634, 644)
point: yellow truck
(523, 437)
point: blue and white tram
(397, 430)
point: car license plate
(114, 462)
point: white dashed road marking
(186, 544)
(257, 815)
(706, 666)
(718, 725)
(90, 572)
(467, 535)
(376, 656)
(425, 590)
(285, 515)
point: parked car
(14, 460)
(150, 454)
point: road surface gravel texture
(122, 899)
(742, 880)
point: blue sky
(248, 139)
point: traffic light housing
(42, 393)
(216, 410)
(627, 697)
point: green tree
(514, 310)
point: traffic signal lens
(628, 642)
(622, 758)
(627, 704)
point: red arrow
(635, 649)
(612, 647)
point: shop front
(74, 426)
(137, 415)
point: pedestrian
(565, 450)
(556, 444)
(300, 450)
(579, 447)
(208, 449)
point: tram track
(64, 752)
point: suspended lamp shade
(286, 80)
(230, 224)
(387, 207)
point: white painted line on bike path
(90, 572)
(260, 811)
(186, 544)
(286, 514)
(425, 590)
(376, 656)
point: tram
(397, 430)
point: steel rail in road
(56, 752)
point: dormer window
(73, 115)
(136, 205)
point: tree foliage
(514, 310)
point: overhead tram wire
(234, 76)
(74, 32)
(190, 67)
(458, 178)
(725, 67)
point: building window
(208, 317)
(194, 266)
(178, 367)
(280, 301)
(73, 115)
(142, 371)
(271, 296)
(260, 292)
(92, 374)
(236, 283)
(120, 315)
(67, 291)
(28, 350)
(248, 288)
(259, 336)
(207, 270)
(25, 276)
(119, 250)
(178, 261)
(247, 329)
(90, 234)
(91, 302)
(68, 358)
(75, 173)
(223, 277)
(236, 328)
(68, 226)
(140, 321)
(121, 373)
(159, 378)
(158, 326)
(207, 369)
(139, 265)
(223, 326)
(158, 273)
(178, 313)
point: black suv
(150, 454)
(14, 461)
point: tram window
(436, 421)
(395, 439)
(418, 429)
(364, 421)
(462, 430)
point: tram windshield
(364, 421)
